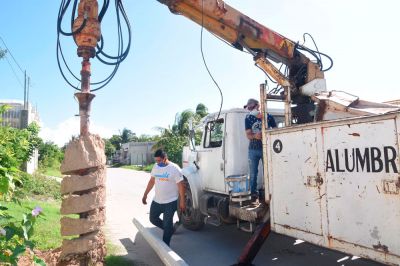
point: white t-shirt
(166, 179)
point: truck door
(211, 156)
(297, 185)
(363, 188)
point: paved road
(211, 246)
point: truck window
(214, 134)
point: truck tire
(191, 218)
(223, 210)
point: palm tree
(127, 136)
(181, 125)
(173, 139)
(201, 110)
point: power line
(9, 51)
(204, 60)
(15, 74)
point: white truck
(332, 183)
(331, 174)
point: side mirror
(192, 144)
(190, 124)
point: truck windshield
(214, 134)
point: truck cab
(209, 167)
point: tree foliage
(114, 143)
(181, 125)
(201, 110)
(127, 136)
(172, 143)
(145, 138)
(50, 155)
(16, 147)
(172, 140)
(109, 148)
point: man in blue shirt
(253, 126)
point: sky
(164, 72)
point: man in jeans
(168, 180)
(253, 126)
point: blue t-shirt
(255, 124)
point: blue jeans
(168, 210)
(254, 159)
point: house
(135, 153)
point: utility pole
(25, 90)
(25, 113)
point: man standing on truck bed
(253, 126)
(168, 180)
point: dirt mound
(51, 258)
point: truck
(330, 172)
(332, 183)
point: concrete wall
(135, 153)
(140, 153)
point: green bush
(15, 236)
(16, 147)
(148, 168)
(47, 233)
(39, 186)
(50, 156)
(132, 167)
(172, 144)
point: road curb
(164, 252)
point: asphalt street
(211, 246)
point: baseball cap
(251, 102)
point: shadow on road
(223, 245)
(140, 249)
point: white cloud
(63, 132)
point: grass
(40, 187)
(39, 190)
(44, 192)
(132, 167)
(112, 260)
(55, 171)
(47, 228)
(146, 168)
(112, 249)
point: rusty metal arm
(243, 32)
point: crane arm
(244, 32)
